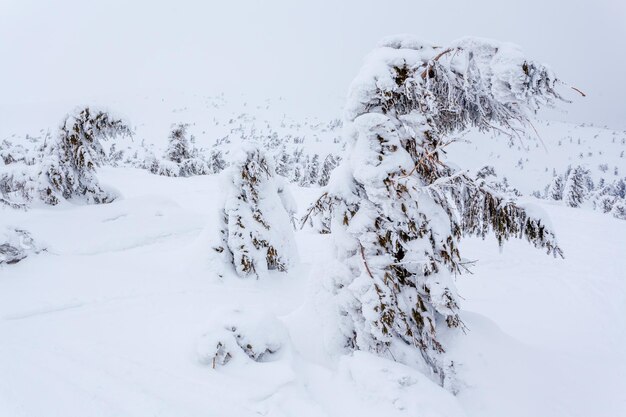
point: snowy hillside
(111, 320)
(429, 247)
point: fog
(81, 51)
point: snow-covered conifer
(330, 162)
(312, 171)
(576, 186)
(183, 159)
(178, 147)
(555, 189)
(216, 161)
(68, 169)
(257, 231)
(114, 156)
(398, 209)
(619, 209)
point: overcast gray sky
(77, 51)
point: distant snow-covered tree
(183, 159)
(216, 161)
(312, 171)
(179, 147)
(555, 189)
(619, 209)
(257, 232)
(577, 186)
(398, 208)
(330, 163)
(114, 156)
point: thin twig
(365, 261)
(578, 91)
(435, 59)
(538, 136)
(313, 207)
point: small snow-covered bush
(15, 245)
(256, 232)
(259, 338)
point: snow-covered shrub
(578, 189)
(11, 153)
(67, 166)
(15, 245)
(488, 174)
(305, 169)
(604, 203)
(257, 232)
(114, 156)
(217, 163)
(619, 209)
(259, 338)
(68, 170)
(183, 159)
(398, 209)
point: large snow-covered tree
(398, 208)
(257, 234)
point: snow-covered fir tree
(577, 186)
(619, 209)
(68, 168)
(555, 189)
(330, 163)
(398, 209)
(312, 171)
(183, 159)
(217, 163)
(257, 233)
(179, 146)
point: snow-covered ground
(113, 319)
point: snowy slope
(116, 317)
(111, 320)
(529, 161)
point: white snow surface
(112, 321)
(120, 315)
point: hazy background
(60, 53)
